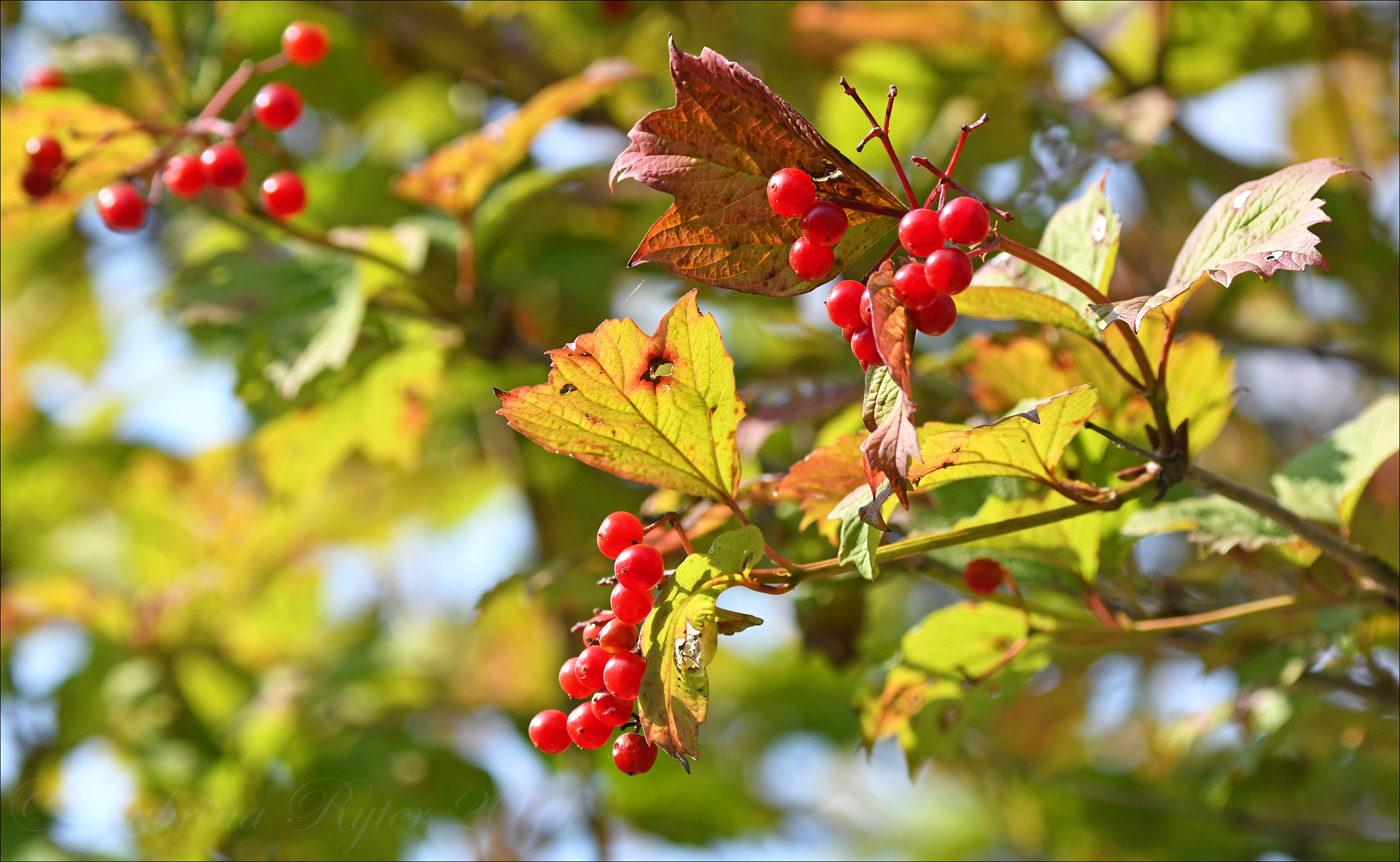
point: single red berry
(549, 731)
(283, 195)
(45, 153)
(37, 183)
(618, 636)
(184, 175)
(617, 532)
(912, 287)
(631, 606)
(809, 260)
(277, 106)
(790, 192)
(586, 730)
(983, 575)
(849, 332)
(305, 43)
(589, 665)
(623, 675)
(224, 165)
(964, 221)
(594, 629)
(639, 567)
(42, 76)
(919, 233)
(937, 317)
(864, 309)
(572, 685)
(615, 10)
(843, 303)
(824, 223)
(863, 346)
(949, 270)
(610, 710)
(633, 754)
(121, 208)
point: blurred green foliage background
(278, 583)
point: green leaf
(1260, 226)
(660, 410)
(859, 541)
(1216, 523)
(1027, 444)
(714, 152)
(679, 640)
(966, 639)
(1325, 482)
(1071, 544)
(986, 302)
(881, 395)
(1201, 380)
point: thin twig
(883, 133)
(674, 520)
(953, 162)
(1205, 619)
(847, 203)
(944, 179)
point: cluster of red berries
(925, 289)
(220, 166)
(793, 194)
(607, 675)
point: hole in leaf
(657, 368)
(1273, 256)
(567, 388)
(1240, 199)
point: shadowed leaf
(1325, 481)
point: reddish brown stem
(953, 161)
(847, 203)
(944, 179)
(674, 520)
(1006, 657)
(883, 133)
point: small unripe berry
(919, 233)
(937, 317)
(283, 194)
(224, 166)
(983, 575)
(42, 76)
(912, 287)
(589, 666)
(572, 685)
(863, 346)
(36, 182)
(631, 606)
(790, 192)
(964, 221)
(305, 43)
(549, 731)
(633, 754)
(610, 710)
(277, 106)
(184, 175)
(824, 223)
(617, 532)
(618, 636)
(843, 303)
(45, 153)
(810, 260)
(121, 208)
(639, 567)
(586, 730)
(949, 270)
(623, 675)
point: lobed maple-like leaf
(823, 478)
(657, 409)
(1260, 226)
(714, 152)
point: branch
(1205, 619)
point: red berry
(919, 233)
(305, 43)
(824, 223)
(949, 270)
(633, 754)
(983, 575)
(572, 685)
(45, 153)
(277, 106)
(610, 710)
(849, 332)
(594, 629)
(623, 675)
(618, 636)
(589, 666)
(121, 208)
(843, 303)
(964, 221)
(283, 195)
(549, 731)
(618, 531)
(809, 260)
(937, 317)
(586, 730)
(790, 192)
(864, 309)
(224, 165)
(912, 287)
(631, 606)
(863, 346)
(639, 567)
(43, 77)
(184, 175)
(37, 183)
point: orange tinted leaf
(825, 476)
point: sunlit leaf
(659, 410)
(820, 480)
(1071, 544)
(1325, 482)
(986, 301)
(714, 152)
